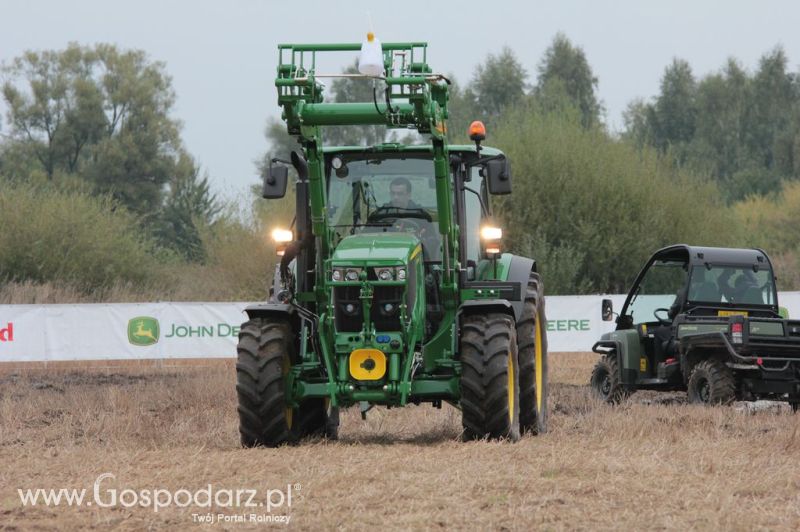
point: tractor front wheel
(711, 382)
(266, 352)
(489, 377)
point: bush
(592, 208)
(86, 241)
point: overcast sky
(222, 55)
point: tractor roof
(699, 255)
(411, 148)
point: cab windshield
(385, 195)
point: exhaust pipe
(300, 165)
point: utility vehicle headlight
(385, 274)
(351, 275)
(401, 274)
(337, 275)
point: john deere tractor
(393, 287)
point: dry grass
(650, 463)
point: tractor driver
(400, 191)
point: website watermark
(238, 505)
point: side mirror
(498, 173)
(275, 182)
(608, 310)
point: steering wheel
(662, 321)
(388, 211)
(408, 225)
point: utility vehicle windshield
(732, 284)
(385, 195)
(658, 289)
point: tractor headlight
(401, 274)
(491, 237)
(351, 275)
(337, 275)
(385, 274)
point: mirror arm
(484, 160)
(484, 210)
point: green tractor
(392, 287)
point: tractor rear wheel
(605, 381)
(711, 382)
(266, 352)
(489, 377)
(532, 344)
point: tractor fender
(483, 306)
(272, 310)
(519, 271)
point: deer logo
(143, 331)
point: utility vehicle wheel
(711, 382)
(532, 345)
(605, 380)
(489, 377)
(265, 354)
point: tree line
(709, 160)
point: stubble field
(651, 463)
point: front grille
(386, 319)
(348, 321)
(385, 307)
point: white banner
(119, 331)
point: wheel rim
(605, 384)
(511, 381)
(539, 362)
(704, 390)
(287, 366)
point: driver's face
(400, 196)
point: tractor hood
(376, 247)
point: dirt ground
(651, 463)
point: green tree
(498, 82)
(675, 107)
(188, 207)
(98, 113)
(565, 69)
(775, 95)
(590, 208)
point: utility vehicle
(705, 320)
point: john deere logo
(143, 331)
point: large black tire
(605, 381)
(711, 382)
(316, 418)
(795, 407)
(265, 354)
(489, 377)
(532, 336)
